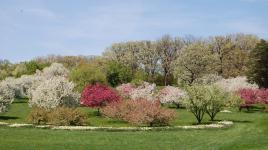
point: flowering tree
(54, 70)
(54, 92)
(98, 95)
(125, 89)
(144, 91)
(196, 102)
(171, 94)
(216, 101)
(254, 96)
(232, 85)
(6, 96)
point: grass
(249, 132)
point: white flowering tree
(7, 95)
(54, 92)
(232, 85)
(171, 94)
(54, 70)
(144, 91)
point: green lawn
(249, 132)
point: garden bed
(221, 124)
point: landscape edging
(221, 124)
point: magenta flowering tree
(98, 95)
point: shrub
(6, 96)
(54, 92)
(139, 112)
(38, 116)
(98, 95)
(64, 116)
(144, 91)
(196, 102)
(170, 94)
(233, 100)
(232, 85)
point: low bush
(139, 112)
(38, 116)
(62, 116)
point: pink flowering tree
(98, 95)
(171, 94)
(253, 96)
(125, 89)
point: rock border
(221, 124)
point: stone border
(221, 124)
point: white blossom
(234, 84)
(7, 95)
(144, 91)
(57, 91)
(171, 94)
(54, 70)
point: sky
(31, 28)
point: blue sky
(31, 28)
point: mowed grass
(249, 132)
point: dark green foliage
(117, 74)
(258, 64)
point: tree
(54, 92)
(118, 73)
(87, 74)
(196, 101)
(98, 95)
(258, 64)
(171, 94)
(149, 59)
(168, 50)
(216, 101)
(195, 61)
(7, 95)
(232, 53)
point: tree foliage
(258, 64)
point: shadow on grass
(21, 101)
(241, 121)
(7, 117)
